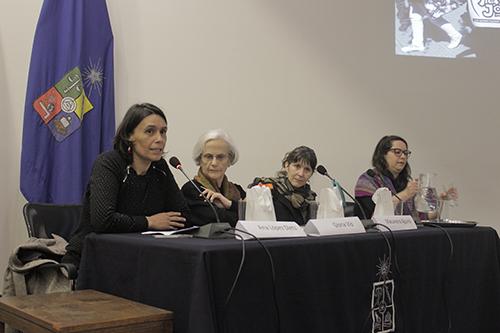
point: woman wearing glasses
(391, 170)
(214, 153)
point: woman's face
(149, 139)
(215, 160)
(298, 173)
(396, 158)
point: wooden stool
(81, 311)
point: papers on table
(169, 232)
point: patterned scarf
(228, 189)
(300, 198)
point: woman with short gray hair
(215, 134)
(214, 153)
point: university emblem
(64, 105)
(383, 307)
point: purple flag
(69, 114)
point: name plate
(395, 222)
(334, 226)
(269, 229)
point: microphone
(174, 161)
(373, 174)
(322, 171)
(210, 230)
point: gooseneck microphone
(174, 161)
(322, 171)
(373, 174)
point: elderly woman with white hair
(214, 153)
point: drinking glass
(242, 207)
(448, 202)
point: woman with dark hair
(131, 188)
(292, 195)
(391, 170)
(214, 153)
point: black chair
(349, 208)
(43, 220)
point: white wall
(277, 74)
(17, 24)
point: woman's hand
(449, 194)
(410, 190)
(217, 198)
(165, 221)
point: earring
(129, 150)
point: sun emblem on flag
(63, 106)
(93, 76)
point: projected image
(442, 28)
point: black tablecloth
(323, 284)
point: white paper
(329, 205)
(383, 202)
(259, 205)
(168, 232)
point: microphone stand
(201, 192)
(210, 230)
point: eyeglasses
(210, 157)
(398, 152)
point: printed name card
(395, 222)
(269, 229)
(334, 226)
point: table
(86, 311)
(323, 284)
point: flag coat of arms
(69, 115)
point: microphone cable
(356, 201)
(236, 278)
(393, 246)
(447, 270)
(273, 276)
(242, 262)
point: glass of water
(449, 199)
